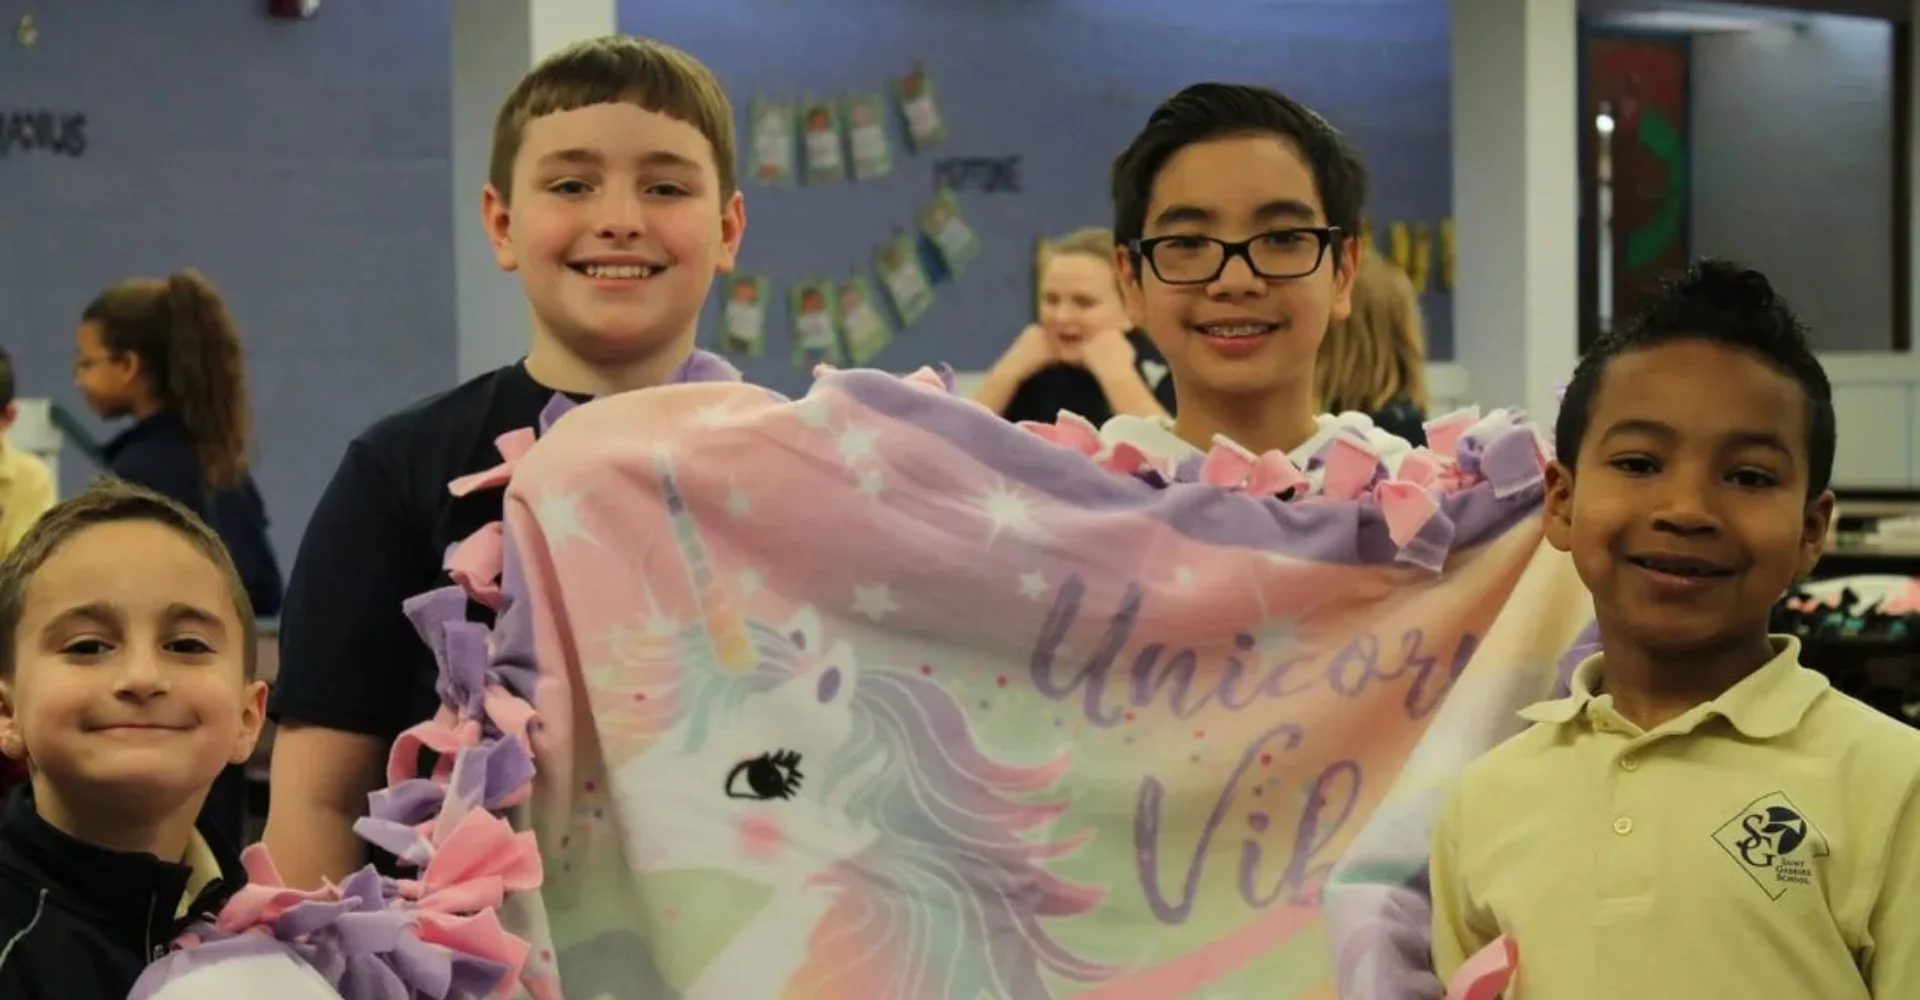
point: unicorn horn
(725, 627)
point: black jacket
(79, 922)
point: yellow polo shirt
(26, 492)
(1765, 844)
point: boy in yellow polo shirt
(1703, 817)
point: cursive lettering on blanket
(1173, 680)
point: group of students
(1085, 356)
(165, 354)
(1690, 488)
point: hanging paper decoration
(867, 136)
(862, 327)
(820, 129)
(897, 262)
(744, 324)
(925, 125)
(816, 337)
(947, 228)
(773, 142)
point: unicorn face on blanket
(743, 803)
(873, 808)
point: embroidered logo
(1774, 843)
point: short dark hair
(1207, 111)
(6, 379)
(106, 502)
(1722, 303)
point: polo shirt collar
(1767, 703)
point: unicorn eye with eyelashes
(767, 777)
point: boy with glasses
(1236, 218)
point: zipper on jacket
(153, 954)
(38, 908)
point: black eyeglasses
(1199, 260)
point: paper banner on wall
(743, 325)
(1421, 267)
(925, 125)
(897, 263)
(863, 330)
(773, 142)
(943, 223)
(872, 153)
(816, 338)
(820, 137)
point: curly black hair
(1723, 303)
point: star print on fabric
(558, 515)
(871, 482)
(1033, 585)
(874, 602)
(713, 416)
(814, 411)
(750, 582)
(662, 625)
(1183, 576)
(856, 444)
(739, 504)
(1007, 511)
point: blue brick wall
(1063, 84)
(302, 166)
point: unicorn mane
(955, 831)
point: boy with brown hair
(612, 194)
(127, 654)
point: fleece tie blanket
(870, 694)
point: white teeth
(618, 270)
(1254, 330)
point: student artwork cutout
(818, 142)
(744, 321)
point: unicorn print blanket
(870, 694)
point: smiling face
(129, 687)
(109, 380)
(1236, 188)
(616, 225)
(1079, 298)
(1687, 511)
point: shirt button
(1623, 826)
(1630, 763)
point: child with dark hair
(1237, 215)
(1703, 816)
(165, 352)
(127, 685)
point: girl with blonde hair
(1375, 361)
(1084, 354)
